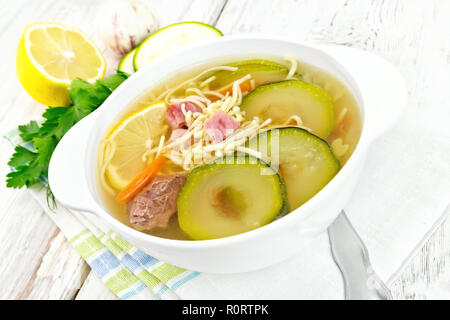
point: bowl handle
(66, 172)
(382, 87)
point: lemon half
(130, 140)
(50, 56)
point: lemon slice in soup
(129, 141)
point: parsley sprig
(30, 165)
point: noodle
(160, 146)
(293, 68)
(207, 81)
(106, 145)
(341, 116)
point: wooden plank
(187, 10)
(94, 289)
(60, 275)
(25, 233)
(427, 276)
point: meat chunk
(175, 116)
(157, 202)
(220, 126)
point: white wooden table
(36, 260)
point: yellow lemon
(128, 143)
(50, 55)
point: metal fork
(350, 254)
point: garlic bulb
(123, 24)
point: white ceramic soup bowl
(377, 86)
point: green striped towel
(127, 271)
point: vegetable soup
(227, 147)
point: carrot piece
(245, 86)
(141, 180)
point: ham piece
(175, 116)
(220, 125)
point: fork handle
(350, 254)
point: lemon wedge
(129, 142)
(50, 56)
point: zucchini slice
(281, 100)
(305, 161)
(262, 71)
(231, 195)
